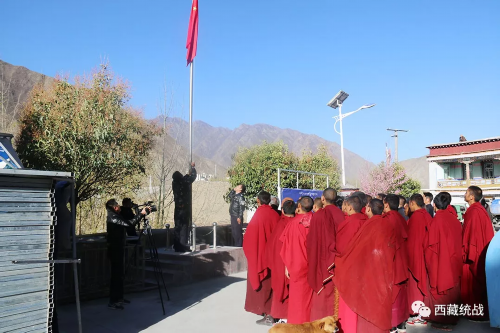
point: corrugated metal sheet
(27, 219)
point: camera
(152, 207)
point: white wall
(434, 170)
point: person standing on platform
(294, 255)
(476, 236)
(400, 305)
(236, 211)
(443, 261)
(259, 293)
(428, 203)
(417, 232)
(279, 282)
(181, 187)
(321, 254)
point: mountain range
(220, 144)
(213, 147)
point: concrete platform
(212, 306)
(182, 268)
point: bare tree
(168, 156)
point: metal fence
(27, 220)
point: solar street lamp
(335, 103)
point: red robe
(476, 236)
(347, 229)
(364, 275)
(400, 306)
(279, 282)
(294, 255)
(443, 260)
(345, 232)
(259, 230)
(417, 231)
(320, 255)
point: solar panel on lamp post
(336, 102)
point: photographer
(128, 213)
(181, 186)
(116, 226)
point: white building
(455, 166)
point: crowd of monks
(368, 261)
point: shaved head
(361, 197)
(330, 195)
(306, 203)
(377, 206)
(355, 203)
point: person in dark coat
(181, 186)
(428, 197)
(236, 210)
(116, 227)
(127, 212)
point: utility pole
(395, 136)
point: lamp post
(337, 102)
(395, 136)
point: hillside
(418, 168)
(219, 144)
(16, 82)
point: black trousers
(181, 232)
(237, 231)
(116, 255)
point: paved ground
(214, 306)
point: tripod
(153, 257)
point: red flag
(192, 38)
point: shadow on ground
(144, 311)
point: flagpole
(190, 217)
(191, 113)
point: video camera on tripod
(149, 205)
(153, 250)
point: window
(446, 171)
(488, 169)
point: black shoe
(267, 320)
(115, 306)
(402, 327)
(124, 301)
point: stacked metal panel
(27, 220)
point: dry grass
(208, 207)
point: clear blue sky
(432, 67)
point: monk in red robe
(443, 261)
(364, 200)
(259, 230)
(348, 228)
(321, 253)
(345, 232)
(294, 255)
(476, 236)
(364, 273)
(279, 282)
(400, 305)
(417, 232)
